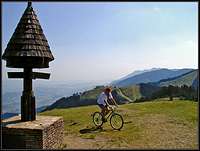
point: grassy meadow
(148, 125)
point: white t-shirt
(102, 97)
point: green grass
(182, 110)
(146, 125)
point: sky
(104, 41)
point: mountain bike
(116, 120)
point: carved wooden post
(27, 98)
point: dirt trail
(159, 132)
(76, 142)
(163, 132)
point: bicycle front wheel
(98, 119)
(116, 121)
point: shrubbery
(183, 92)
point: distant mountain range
(150, 76)
(137, 72)
(150, 82)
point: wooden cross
(28, 111)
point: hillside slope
(138, 91)
(88, 98)
(185, 79)
(149, 125)
(152, 76)
(126, 94)
(144, 90)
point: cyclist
(102, 101)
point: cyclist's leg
(102, 109)
(106, 110)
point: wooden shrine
(28, 49)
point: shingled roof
(28, 39)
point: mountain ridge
(152, 76)
(134, 73)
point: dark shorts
(102, 106)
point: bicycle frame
(109, 114)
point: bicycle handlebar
(112, 107)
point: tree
(184, 92)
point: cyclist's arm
(113, 100)
(106, 102)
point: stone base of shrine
(46, 132)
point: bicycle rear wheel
(116, 121)
(98, 119)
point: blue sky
(106, 41)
